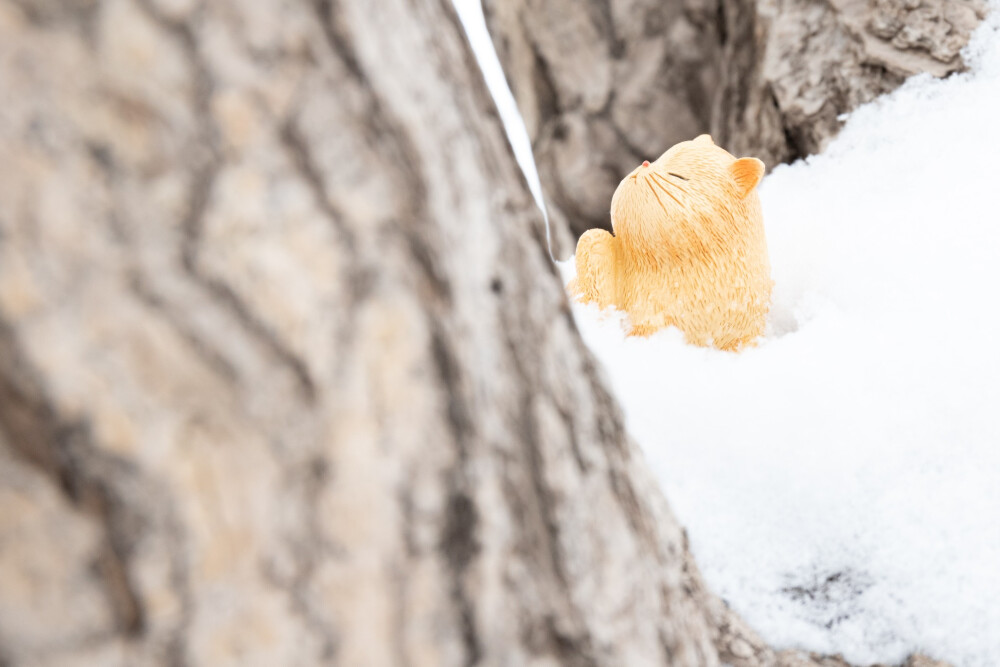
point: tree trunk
(605, 84)
(286, 376)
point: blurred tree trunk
(605, 84)
(286, 376)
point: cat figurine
(688, 248)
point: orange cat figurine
(688, 248)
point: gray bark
(605, 84)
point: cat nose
(645, 163)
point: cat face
(688, 200)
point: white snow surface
(470, 13)
(840, 482)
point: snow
(841, 482)
(470, 13)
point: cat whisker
(651, 189)
(665, 191)
(662, 189)
(660, 179)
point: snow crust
(841, 482)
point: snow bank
(841, 482)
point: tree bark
(606, 84)
(286, 376)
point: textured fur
(688, 248)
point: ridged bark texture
(286, 375)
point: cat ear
(747, 172)
(704, 139)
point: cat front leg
(595, 268)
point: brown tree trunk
(605, 84)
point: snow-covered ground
(841, 482)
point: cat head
(691, 199)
